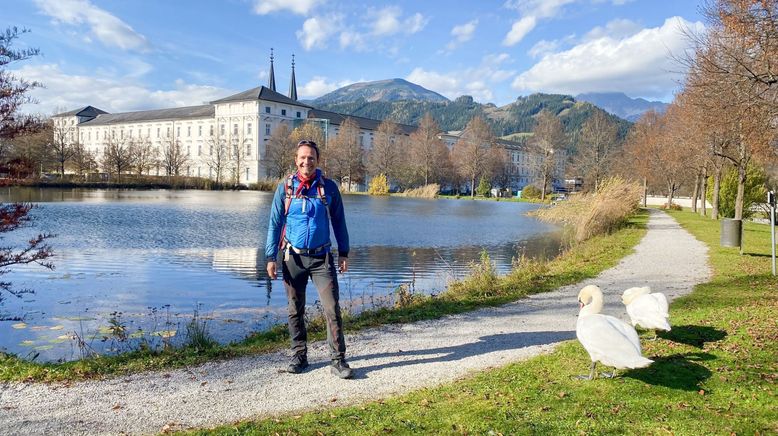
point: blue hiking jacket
(307, 223)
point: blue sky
(122, 55)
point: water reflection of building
(246, 262)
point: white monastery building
(245, 122)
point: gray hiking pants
(297, 269)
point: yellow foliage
(379, 185)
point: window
(188, 150)
(211, 131)
(200, 131)
(199, 150)
(248, 149)
(148, 132)
(267, 129)
(235, 130)
(248, 129)
(299, 114)
(97, 135)
(167, 132)
(188, 130)
(158, 129)
(130, 133)
(267, 109)
(210, 149)
(221, 129)
(121, 134)
(178, 131)
(283, 112)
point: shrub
(379, 185)
(484, 188)
(530, 192)
(673, 206)
(754, 191)
(603, 211)
(426, 191)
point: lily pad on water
(38, 328)
(57, 327)
(105, 330)
(136, 335)
(165, 333)
(59, 339)
(19, 325)
(79, 318)
(44, 347)
(27, 343)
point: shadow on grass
(693, 335)
(678, 371)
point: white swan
(645, 309)
(608, 340)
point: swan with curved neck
(608, 340)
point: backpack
(288, 201)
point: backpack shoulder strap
(322, 195)
(289, 194)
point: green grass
(714, 373)
(585, 261)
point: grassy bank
(482, 289)
(714, 373)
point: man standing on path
(303, 206)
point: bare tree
(345, 154)
(238, 160)
(385, 156)
(83, 161)
(174, 158)
(117, 155)
(547, 141)
(218, 158)
(472, 151)
(60, 146)
(429, 156)
(280, 152)
(15, 90)
(596, 148)
(144, 155)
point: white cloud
(349, 38)
(317, 31)
(477, 81)
(618, 28)
(319, 86)
(300, 7)
(543, 47)
(531, 11)
(108, 92)
(387, 21)
(462, 33)
(107, 28)
(519, 30)
(639, 64)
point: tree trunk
(715, 196)
(696, 192)
(645, 192)
(472, 186)
(704, 189)
(741, 185)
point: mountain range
(406, 103)
(621, 105)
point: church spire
(272, 82)
(293, 84)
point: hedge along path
(388, 360)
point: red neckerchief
(305, 182)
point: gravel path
(388, 360)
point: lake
(148, 260)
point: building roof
(363, 123)
(203, 111)
(261, 93)
(86, 111)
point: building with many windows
(243, 123)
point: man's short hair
(308, 143)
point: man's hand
(271, 270)
(342, 264)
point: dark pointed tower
(293, 84)
(272, 82)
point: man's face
(306, 161)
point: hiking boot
(298, 364)
(340, 368)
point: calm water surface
(150, 259)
